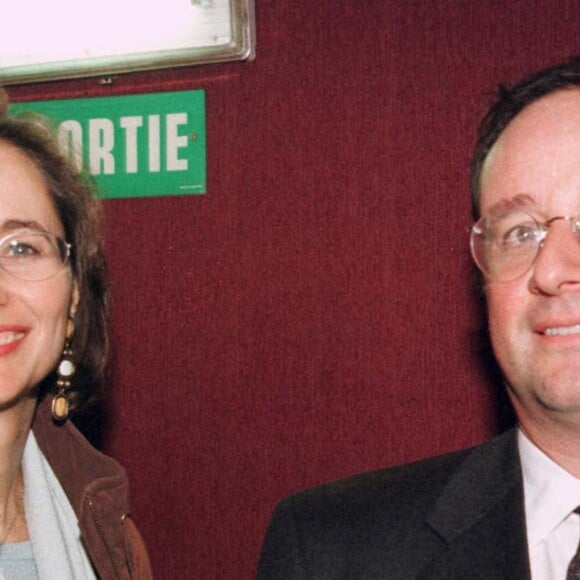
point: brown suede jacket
(97, 488)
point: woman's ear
(74, 300)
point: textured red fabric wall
(312, 315)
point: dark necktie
(574, 567)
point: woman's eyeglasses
(33, 255)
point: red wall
(313, 314)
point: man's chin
(547, 399)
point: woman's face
(33, 315)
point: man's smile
(562, 330)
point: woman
(63, 505)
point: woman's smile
(11, 338)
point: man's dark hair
(510, 102)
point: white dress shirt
(551, 495)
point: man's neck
(559, 441)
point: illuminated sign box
(58, 39)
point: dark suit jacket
(459, 516)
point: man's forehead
(554, 115)
(537, 150)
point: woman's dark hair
(510, 102)
(79, 212)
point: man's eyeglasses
(505, 246)
(33, 255)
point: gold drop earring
(65, 372)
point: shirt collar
(550, 492)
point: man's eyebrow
(522, 200)
(15, 224)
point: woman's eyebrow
(16, 224)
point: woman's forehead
(24, 193)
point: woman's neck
(15, 424)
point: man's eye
(520, 234)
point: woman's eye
(19, 249)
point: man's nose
(557, 266)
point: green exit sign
(136, 145)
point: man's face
(534, 320)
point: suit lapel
(480, 515)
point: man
(505, 509)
